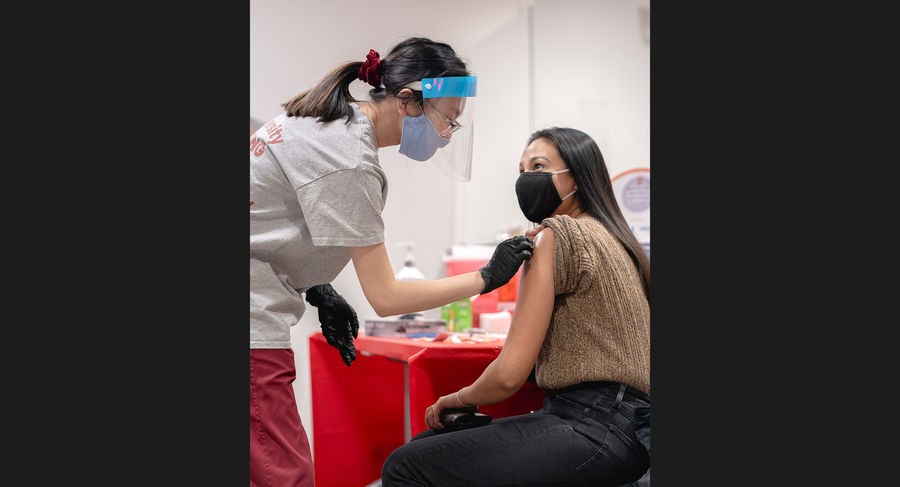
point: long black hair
(410, 60)
(584, 160)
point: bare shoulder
(544, 237)
(543, 242)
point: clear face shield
(448, 105)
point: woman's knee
(396, 469)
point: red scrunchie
(368, 72)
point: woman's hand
(433, 412)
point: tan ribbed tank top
(600, 327)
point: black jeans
(643, 434)
(584, 435)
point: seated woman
(582, 320)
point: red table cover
(358, 411)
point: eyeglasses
(454, 126)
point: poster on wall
(632, 190)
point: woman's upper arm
(534, 307)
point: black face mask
(537, 194)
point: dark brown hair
(595, 192)
(411, 60)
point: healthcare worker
(316, 196)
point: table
(364, 412)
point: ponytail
(329, 99)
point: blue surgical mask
(419, 140)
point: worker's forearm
(401, 297)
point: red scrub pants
(279, 449)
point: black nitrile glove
(338, 319)
(505, 262)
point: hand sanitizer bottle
(409, 271)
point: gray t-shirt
(315, 190)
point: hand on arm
(534, 231)
(506, 374)
(505, 262)
(391, 297)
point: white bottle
(409, 271)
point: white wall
(487, 204)
(591, 73)
(293, 43)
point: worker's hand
(534, 231)
(507, 258)
(337, 318)
(433, 412)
